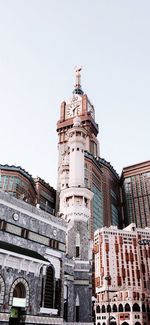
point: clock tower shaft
(75, 202)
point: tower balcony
(76, 191)
(75, 211)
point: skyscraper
(136, 194)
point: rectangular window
(77, 314)
(77, 251)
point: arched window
(137, 323)
(98, 309)
(77, 245)
(136, 307)
(103, 309)
(114, 308)
(127, 307)
(108, 309)
(148, 308)
(120, 307)
(125, 323)
(19, 289)
(49, 288)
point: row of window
(120, 308)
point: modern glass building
(136, 194)
(103, 180)
(20, 184)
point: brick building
(122, 275)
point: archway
(108, 309)
(114, 308)
(19, 298)
(103, 309)
(19, 291)
(136, 307)
(127, 307)
(120, 308)
(125, 323)
(19, 287)
(137, 323)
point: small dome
(78, 91)
(77, 121)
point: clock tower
(78, 105)
(76, 130)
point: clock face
(74, 108)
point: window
(77, 309)
(114, 308)
(103, 309)
(3, 225)
(127, 307)
(24, 233)
(120, 308)
(49, 288)
(98, 309)
(136, 307)
(77, 245)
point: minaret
(75, 209)
(78, 105)
(74, 197)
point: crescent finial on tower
(78, 90)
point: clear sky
(41, 41)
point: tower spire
(78, 90)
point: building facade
(122, 275)
(20, 184)
(136, 194)
(32, 246)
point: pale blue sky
(40, 43)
